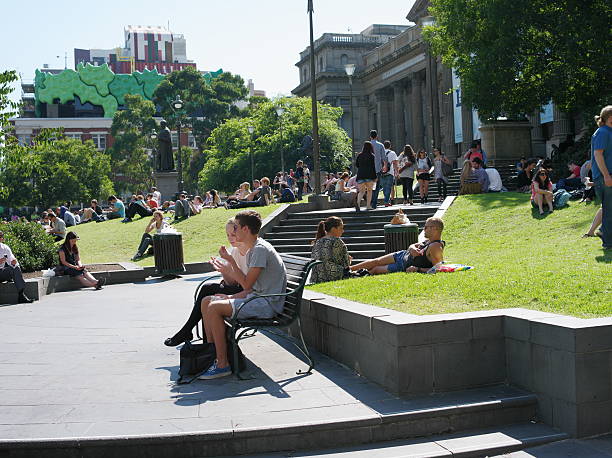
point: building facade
(406, 93)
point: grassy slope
(520, 259)
(113, 241)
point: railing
(344, 38)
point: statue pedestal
(506, 141)
(167, 184)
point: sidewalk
(93, 364)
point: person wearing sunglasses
(541, 191)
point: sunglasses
(543, 174)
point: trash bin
(168, 252)
(400, 236)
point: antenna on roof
(168, 24)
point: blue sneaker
(215, 372)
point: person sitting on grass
(157, 223)
(329, 248)
(262, 196)
(227, 285)
(541, 191)
(196, 205)
(152, 202)
(118, 209)
(57, 228)
(93, 213)
(215, 199)
(525, 177)
(573, 181)
(286, 194)
(479, 175)
(11, 271)
(181, 208)
(419, 257)
(266, 275)
(70, 262)
(138, 207)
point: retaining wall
(565, 361)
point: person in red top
(573, 181)
(541, 191)
(151, 202)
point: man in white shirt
(495, 181)
(390, 172)
(10, 271)
(156, 195)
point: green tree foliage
(206, 106)
(230, 144)
(513, 56)
(31, 245)
(132, 128)
(51, 170)
(8, 108)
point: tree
(52, 170)
(229, 146)
(514, 56)
(206, 106)
(132, 127)
(8, 108)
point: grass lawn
(113, 241)
(520, 260)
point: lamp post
(315, 121)
(153, 137)
(177, 106)
(251, 130)
(279, 111)
(350, 70)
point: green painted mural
(98, 85)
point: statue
(165, 156)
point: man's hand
(14, 262)
(412, 269)
(414, 252)
(221, 266)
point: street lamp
(279, 111)
(313, 96)
(177, 106)
(350, 70)
(251, 129)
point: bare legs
(214, 311)
(423, 190)
(365, 188)
(595, 224)
(87, 279)
(539, 200)
(375, 266)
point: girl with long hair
(329, 248)
(157, 223)
(70, 261)
(366, 175)
(541, 191)
(407, 167)
(423, 164)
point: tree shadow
(535, 213)
(497, 199)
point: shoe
(410, 202)
(23, 299)
(587, 235)
(100, 283)
(216, 372)
(388, 204)
(177, 339)
(137, 256)
(126, 220)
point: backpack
(560, 198)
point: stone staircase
(363, 231)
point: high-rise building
(145, 47)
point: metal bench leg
(304, 350)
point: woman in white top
(407, 167)
(157, 223)
(423, 165)
(227, 284)
(441, 180)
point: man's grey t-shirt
(379, 155)
(273, 278)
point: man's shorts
(399, 264)
(257, 308)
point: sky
(257, 39)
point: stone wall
(565, 361)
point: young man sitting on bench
(266, 275)
(419, 257)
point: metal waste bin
(400, 236)
(168, 252)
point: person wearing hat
(71, 262)
(10, 271)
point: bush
(31, 245)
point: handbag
(195, 359)
(447, 169)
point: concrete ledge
(565, 361)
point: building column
(384, 99)
(538, 142)
(561, 126)
(399, 133)
(416, 109)
(407, 113)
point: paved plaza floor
(92, 363)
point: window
(73, 136)
(191, 141)
(174, 136)
(99, 140)
(343, 60)
(24, 139)
(320, 64)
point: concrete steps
(476, 443)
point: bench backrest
(297, 273)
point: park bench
(298, 270)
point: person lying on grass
(266, 275)
(419, 257)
